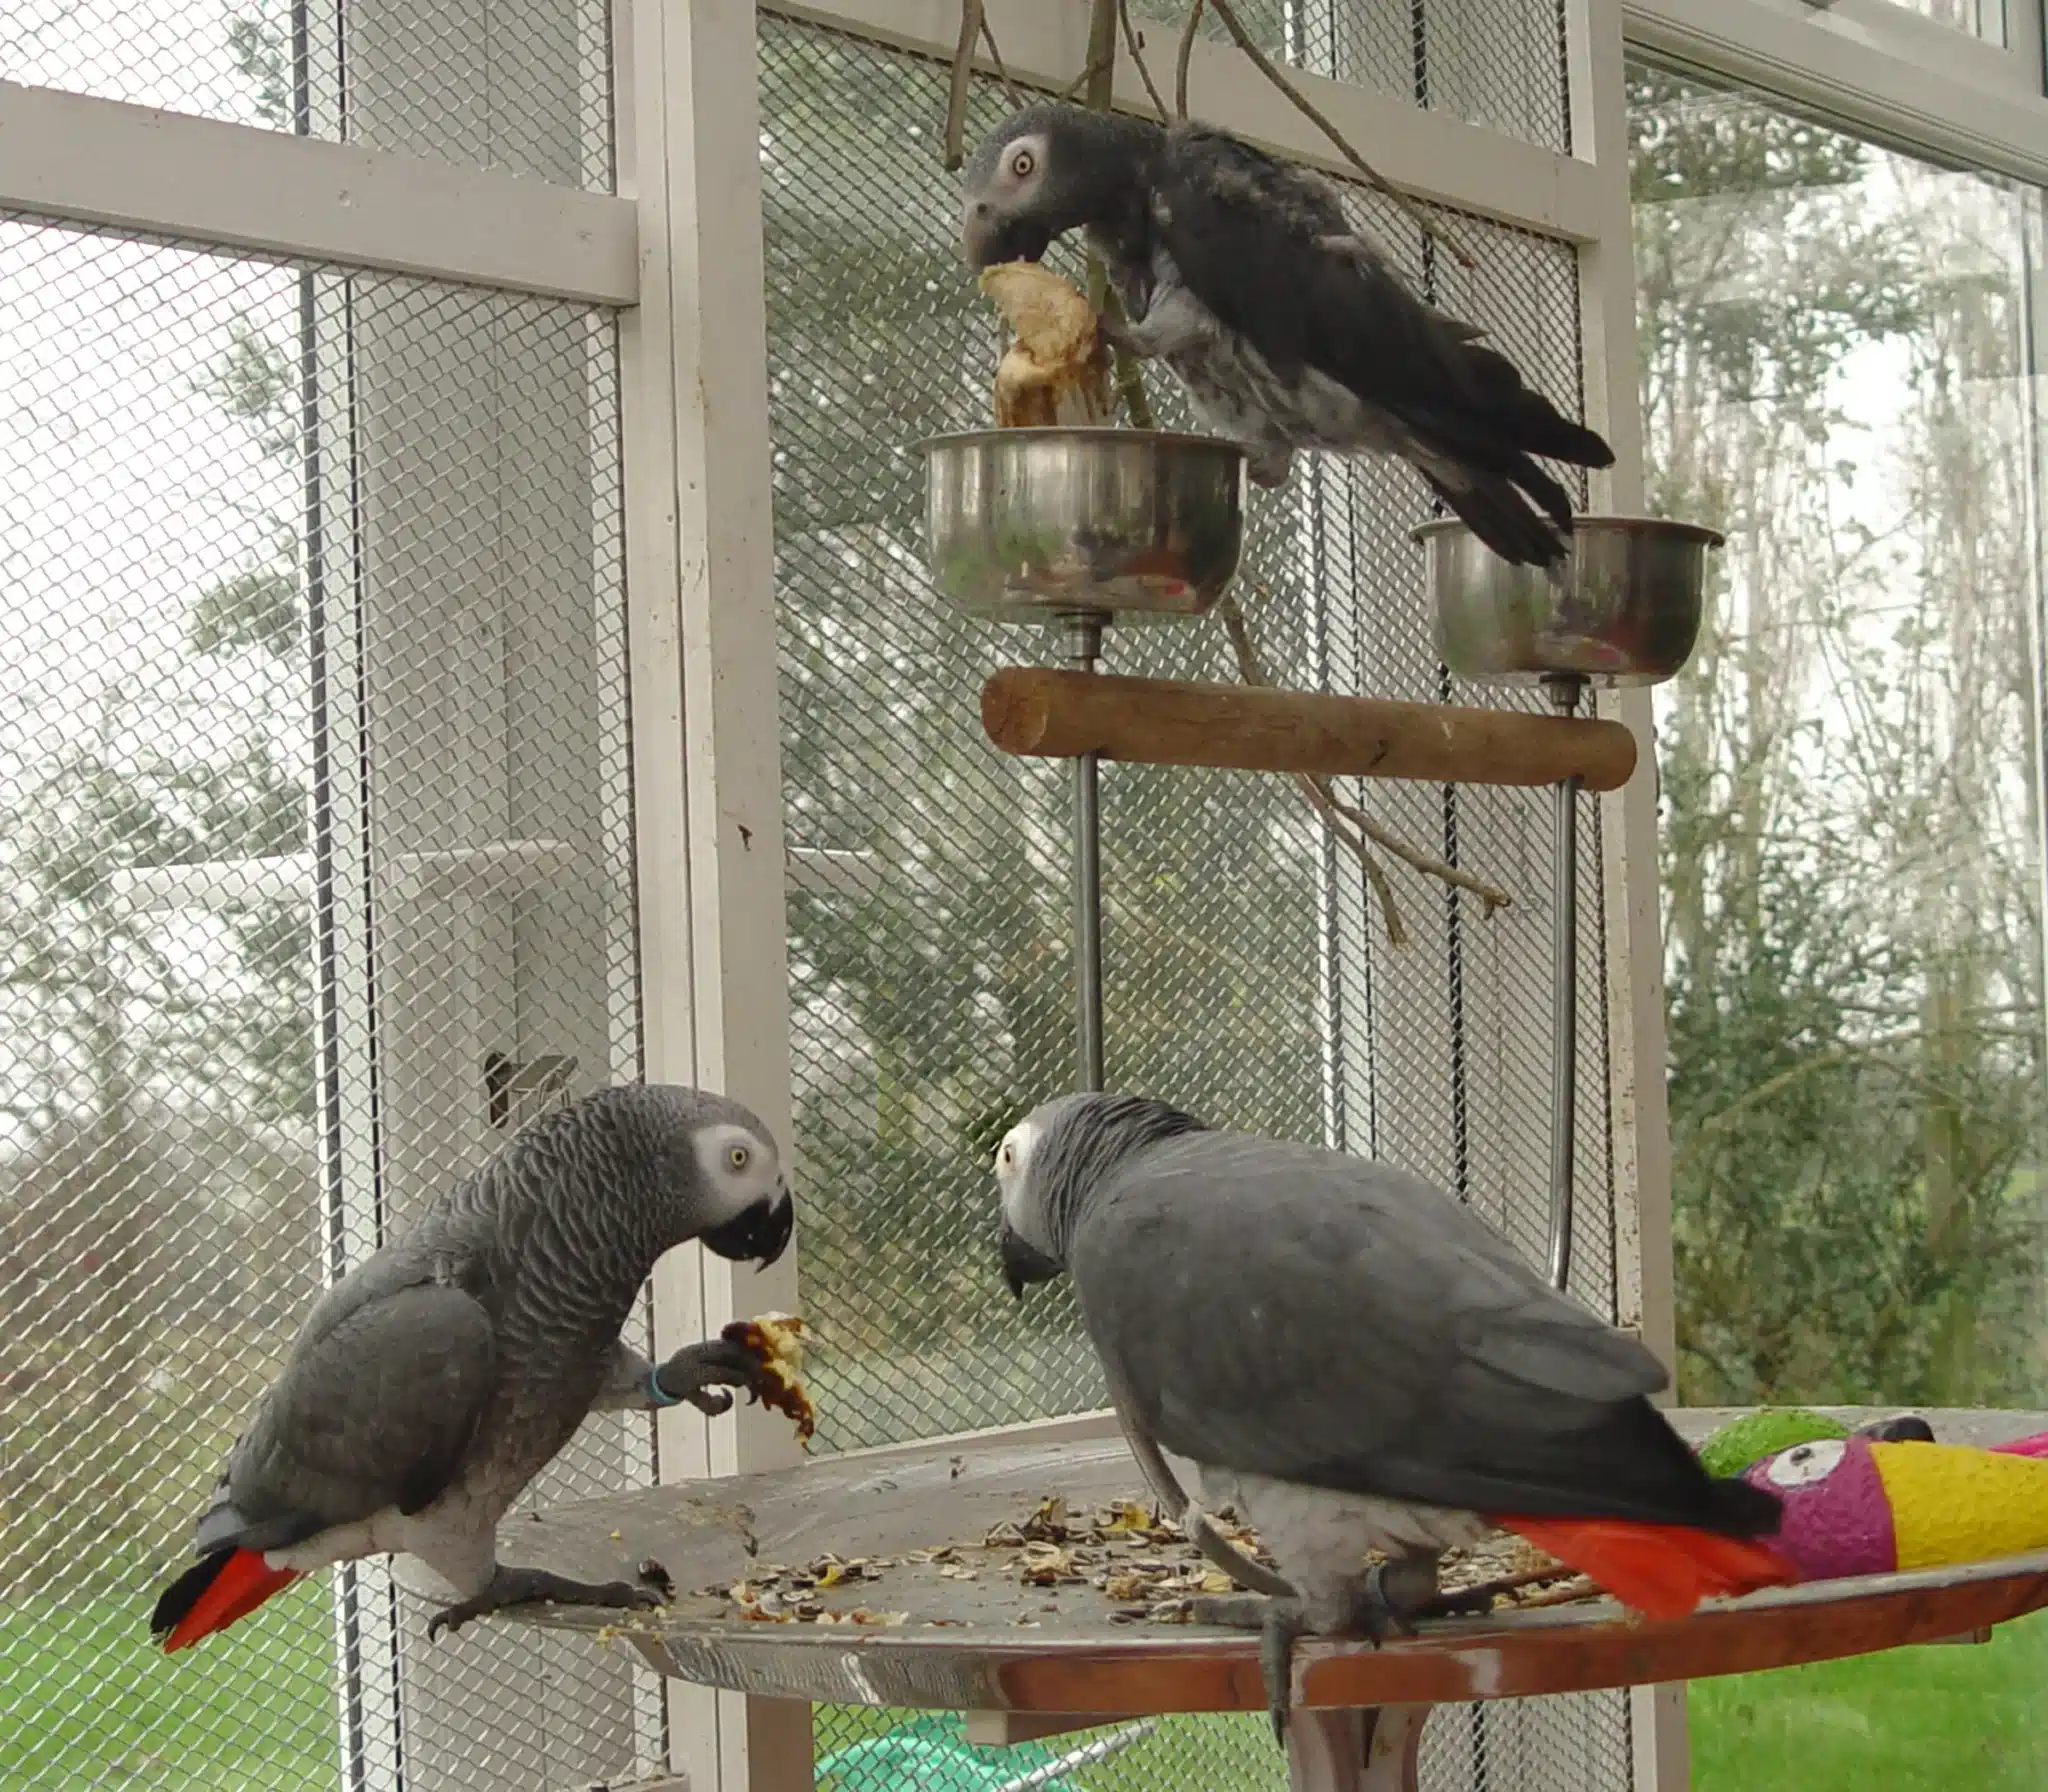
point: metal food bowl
(1027, 524)
(1623, 606)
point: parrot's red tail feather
(212, 1594)
(1663, 1570)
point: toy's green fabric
(1730, 1450)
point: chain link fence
(317, 858)
(1497, 63)
(522, 85)
(1248, 974)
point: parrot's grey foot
(1394, 1595)
(1279, 1623)
(698, 1373)
(524, 1586)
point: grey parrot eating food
(1354, 1360)
(1288, 327)
(431, 1383)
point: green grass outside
(92, 1704)
(1963, 1718)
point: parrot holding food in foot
(431, 1383)
(1354, 1360)
(1289, 327)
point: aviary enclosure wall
(317, 829)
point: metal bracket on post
(1565, 691)
(1082, 649)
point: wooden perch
(1039, 712)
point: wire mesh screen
(523, 85)
(1497, 63)
(317, 861)
(1248, 975)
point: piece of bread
(1057, 368)
(777, 1339)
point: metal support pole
(1564, 934)
(1082, 648)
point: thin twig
(1265, 65)
(1130, 382)
(1492, 896)
(995, 55)
(1335, 812)
(1099, 79)
(1317, 790)
(1180, 60)
(1095, 66)
(1136, 45)
(963, 74)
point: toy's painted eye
(1807, 1463)
(739, 1157)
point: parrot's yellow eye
(1022, 164)
(738, 1157)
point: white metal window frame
(1873, 68)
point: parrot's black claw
(525, 1586)
(1279, 1623)
(659, 1578)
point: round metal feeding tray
(1624, 606)
(930, 1539)
(1030, 525)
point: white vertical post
(1644, 1295)
(701, 568)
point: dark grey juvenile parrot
(1288, 327)
(1354, 1360)
(431, 1383)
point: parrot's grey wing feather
(376, 1408)
(1268, 250)
(1310, 1317)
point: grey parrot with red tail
(431, 1383)
(1357, 1362)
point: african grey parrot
(431, 1383)
(1288, 327)
(1353, 1359)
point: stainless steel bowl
(1622, 607)
(1023, 524)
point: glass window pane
(1981, 18)
(1835, 372)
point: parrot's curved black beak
(987, 237)
(760, 1234)
(1024, 1264)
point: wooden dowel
(1039, 712)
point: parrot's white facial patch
(738, 1170)
(1805, 1464)
(1013, 1172)
(1019, 171)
